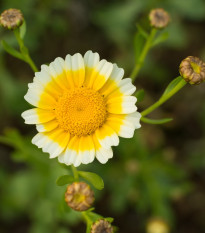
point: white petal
(135, 119)
(30, 116)
(78, 67)
(91, 59)
(61, 158)
(103, 70)
(39, 140)
(104, 154)
(47, 126)
(77, 62)
(107, 136)
(126, 87)
(50, 146)
(117, 73)
(56, 67)
(33, 96)
(122, 105)
(42, 77)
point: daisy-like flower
(82, 105)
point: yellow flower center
(81, 111)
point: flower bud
(159, 18)
(157, 225)
(11, 19)
(101, 226)
(79, 196)
(192, 69)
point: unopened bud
(192, 69)
(159, 18)
(101, 226)
(157, 226)
(79, 196)
(11, 19)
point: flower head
(82, 106)
(159, 18)
(101, 226)
(11, 19)
(192, 69)
(157, 225)
(79, 196)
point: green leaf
(172, 85)
(140, 95)
(11, 50)
(22, 30)
(93, 178)
(139, 41)
(161, 38)
(93, 216)
(109, 219)
(156, 122)
(142, 31)
(66, 179)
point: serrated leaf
(140, 95)
(156, 121)
(161, 38)
(11, 50)
(142, 31)
(139, 41)
(93, 178)
(172, 85)
(22, 30)
(65, 179)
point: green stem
(86, 217)
(6, 141)
(164, 98)
(24, 51)
(143, 54)
(75, 172)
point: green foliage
(11, 50)
(93, 178)
(172, 85)
(140, 95)
(32, 191)
(66, 179)
(151, 174)
(156, 121)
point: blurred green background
(158, 173)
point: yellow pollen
(81, 111)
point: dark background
(158, 173)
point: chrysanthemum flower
(82, 106)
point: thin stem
(164, 98)
(24, 51)
(75, 172)
(86, 217)
(143, 54)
